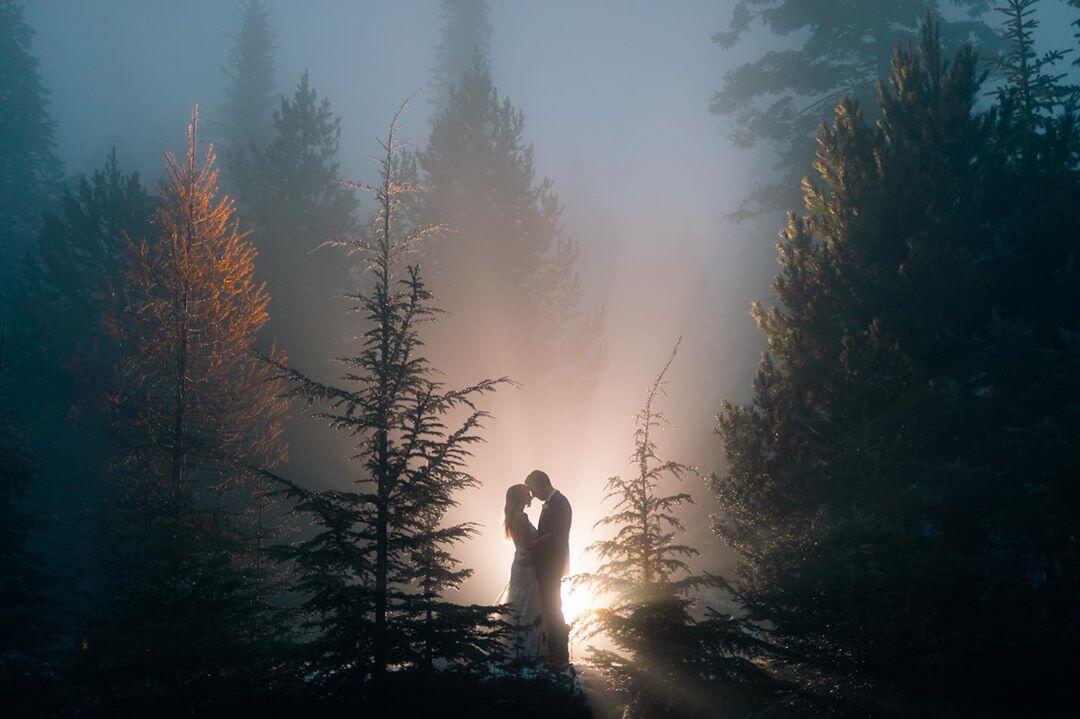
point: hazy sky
(614, 93)
(615, 96)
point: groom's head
(539, 484)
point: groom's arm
(560, 530)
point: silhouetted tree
(29, 169)
(899, 483)
(1033, 93)
(194, 410)
(245, 119)
(292, 193)
(380, 558)
(781, 97)
(664, 662)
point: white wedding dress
(528, 641)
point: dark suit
(552, 561)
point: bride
(523, 591)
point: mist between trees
(258, 416)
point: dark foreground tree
(189, 626)
(374, 572)
(780, 98)
(899, 493)
(665, 661)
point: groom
(551, 558)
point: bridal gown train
(523, 596)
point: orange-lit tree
(193, 410)
(375, 572)
(665, 660)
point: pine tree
(194, 411)
(882, 495)
(64, 360)
(1034, 94)
(375, 570)
(67, 278)
(664, 658)
(30, 169)
(782, 97)
(293, 194)
(464, 32)
(506, 265)
(245, 119)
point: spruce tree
(883, 495)
(62, 353)
(781, 97)
(375, 570)
(193, 410)
(68, 276)
(245, 119)
(30, 170)
(292, 194)
(506, 264)
(665, 662)
(1029, 89)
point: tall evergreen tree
(292, 193)
(464, 32)
(665, 662)
(1029, 89)
(68, 276)
(194, 410)
(898, 486)
(506, 265)
(380, 559)
(245, 119)
(64, 357)
(29, 169)
(782, 97)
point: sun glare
(575, 602)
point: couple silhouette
(541, 560)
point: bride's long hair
(517, 496)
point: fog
(615, 103)
(615, 98)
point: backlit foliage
(376, 569)
(194, 412)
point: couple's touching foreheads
(541, 560)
